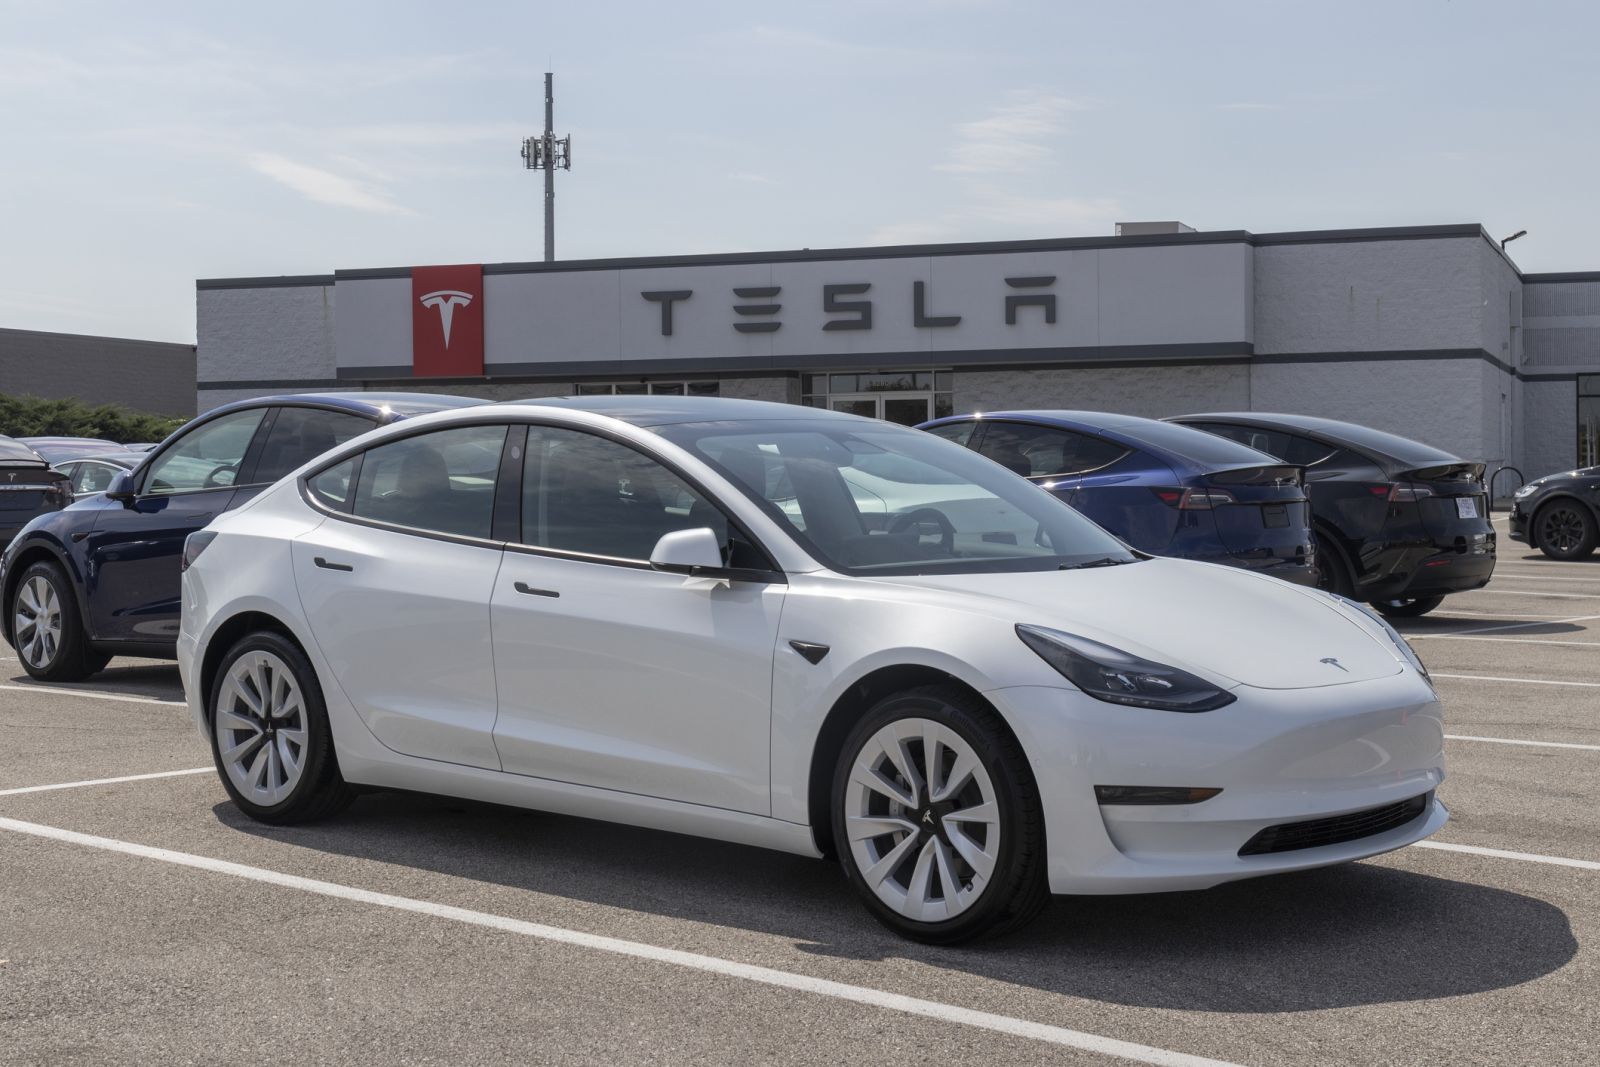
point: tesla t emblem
(1330, 661)
(446, 300)
(927, 816)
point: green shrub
(32, 416)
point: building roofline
(1562, 276)
(10, 334)
(967, 248)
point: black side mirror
(121, 488)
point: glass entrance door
(907, 409)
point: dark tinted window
(92, 476)
(302, 434)
(206, 457)
(16, 452)
(333, 487)
(959, 432)
(589, 494)
(441, 481)
(1041, 451)
(1197, 445)
(1290, 448)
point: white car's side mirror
(687, 551)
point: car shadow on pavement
(155, 679)
(1509, 626)
(1338, 937)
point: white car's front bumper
(1279, 756)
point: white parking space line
(103, 781)
(1539, 592)
(1516, 577)
(85, 694)
(877, 998)
(1496, 614)
(1508, 640)
(1519, 681)
(1496, 853)
(1513, 741)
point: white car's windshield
(868, 499)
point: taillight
(1195, 499)
(1400, 492)
(58, 493)
(193, 545)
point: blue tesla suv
(100, 578)
(1164, 489)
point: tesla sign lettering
(447, 321)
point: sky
(145, 145)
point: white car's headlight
(1119, 677)
(1394, 635)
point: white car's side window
(441, 482)
(589, 494)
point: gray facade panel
(149, 376)
(1441, 402)
(278, 332)
(1365, 295)
(1153, 392)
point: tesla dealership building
(1430, 332)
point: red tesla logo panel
(447, 321)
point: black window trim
(773, 576)
(252, 451)
(1126, 451)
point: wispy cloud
(751, 177)
(1249, 107)
(323, 186)
(991, 212)
(1016, 137)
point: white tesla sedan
(800, 630)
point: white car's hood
(1211, 619)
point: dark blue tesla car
(1164, 489)
(100, 578)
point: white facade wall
(1332, 320)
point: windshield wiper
(1103, 561)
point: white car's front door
(401, 610)
(615, 675)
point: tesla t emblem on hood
(446, 300)
(1330, 661)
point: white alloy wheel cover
(922, 820)
(37, 624)
(261, 728)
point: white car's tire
(269, 733)
(936, 818)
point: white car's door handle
(330, 566)
(524, 587)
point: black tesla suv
(1398, 523)
(100, 578)
(1559, 514)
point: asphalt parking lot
(145, 920)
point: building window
(649, 388)
(1588, 420)
(903, 396)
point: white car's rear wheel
(936, 817)
(270, 735)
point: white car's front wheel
(936, 818)
(270, 734)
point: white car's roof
(663, 410)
